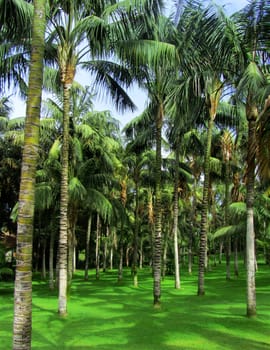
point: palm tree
(252, 22)
(77, 30)
(23, 282)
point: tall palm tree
(252, 23)
(23, 282)
(78, 30)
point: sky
(138, 96)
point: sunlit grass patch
(107, 315)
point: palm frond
(110, 77)
(229, 231)
(215, 165)
(43, 196)
(76, 190)
(252, 80)
(97, 201)
(55, 150)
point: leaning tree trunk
(22, 322)
(158, 229)
(252, 114)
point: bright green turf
(105, 315)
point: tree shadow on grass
(104, 315)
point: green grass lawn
(107, 315)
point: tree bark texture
(204, 210)
(63, 238)
(250, 233)
(157, 243)
(22, 322)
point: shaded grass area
(107, 315)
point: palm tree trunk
(228, 239)
(97, 246)
(63, 238)
(204, 210)
(236, 268)
(164, 255)
(121, 255)
(87, 248)
(22, 322)
(141, 254)
(43, 273)
(250, 233)
(51, 257)
(158, 229)
(111, 258)
(105, 250)
(136, 231)
(175, 220)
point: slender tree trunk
(127, 256)
(204, 210)
(164, 257)
(70, 254)
(63, 239)
(177, 283)
(250, 233)
(43, 273)
(141, 254)
(113, 245)
(51, 258)
(121, 256)
(213, 101)
(105, 251)
(158, 229)
(236, 267)
(111, 258)
(136, 230)
(87, 247)
(98, 246)
(22, 322)
(220, 251)
(226, 219)
(193, 225)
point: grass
(106, 315)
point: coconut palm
(23, 282)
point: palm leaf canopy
(16, 18)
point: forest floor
(106, 315)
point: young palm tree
(23, 282)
